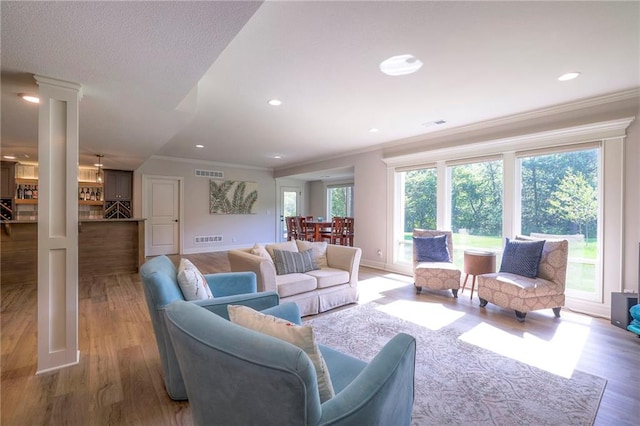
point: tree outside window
(476, 207)
(340, 201)
(559, 199)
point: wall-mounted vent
(433, 123)
(208, 239)
(209, 174)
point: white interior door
(163, 215)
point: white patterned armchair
(438, 275)
(525, 294)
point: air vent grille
(209, 174)
(208, 239)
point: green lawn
(580, 271)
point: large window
(340, 200)
(559, 198)
(476, 207)
(419, 204)
(556, 183)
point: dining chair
(292, 228)
(306, 232)
(336, 234)
(348, 231)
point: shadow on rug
(457, 383)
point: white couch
(334, 284)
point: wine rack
(6, 209)
(117, 210)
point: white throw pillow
(319, 251)
(299, 335)
(259, 250)
(192, 283)
(287, 245)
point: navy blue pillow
(431, 249)
(522, 257)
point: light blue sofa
(159, 280)
(237, 376)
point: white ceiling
(160, 77)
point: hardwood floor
(118, 380)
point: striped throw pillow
(289, 262)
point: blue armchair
(160, 283)
(235, 375)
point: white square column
(57, 223)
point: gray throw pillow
(522, 257)
(289, 262)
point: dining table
(318, 226)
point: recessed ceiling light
(277, 157)
(275, 102)
(400, 65)
(374, 130)
(199, 146)
(568, 76)
(30, 98)
(9, 157)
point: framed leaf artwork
(232, 197)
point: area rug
(457, 383)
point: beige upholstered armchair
(438, 274)
(523, 294)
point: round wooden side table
(477, 262)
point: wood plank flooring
(118, 380)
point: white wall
(237, 230)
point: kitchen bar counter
(106, 246)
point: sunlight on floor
(559, 355)
(370, 288)
(433, 316)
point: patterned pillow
(299, 335)
(432, 249)
(522, 257)
(319, 251)
(289, 262)
(192, 283)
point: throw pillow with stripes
(289, 262)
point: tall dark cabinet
(7, 190)
(118, 194)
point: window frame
(327, 190)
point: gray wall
(237, 230)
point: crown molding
(61, 84)
(519, 118)
(511, 119)
(570, 135)
(211, 163)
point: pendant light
(99, 172)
